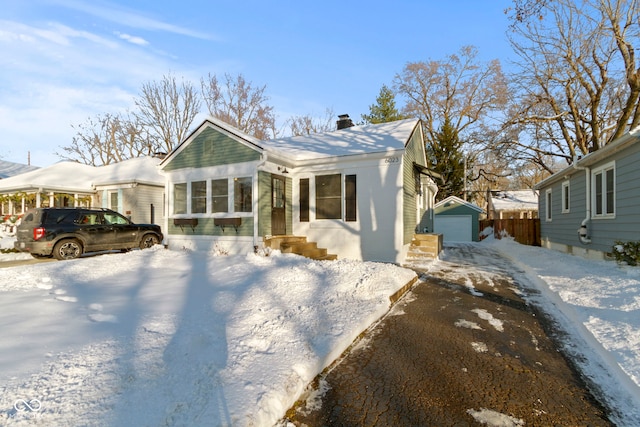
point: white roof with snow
(73, 176)
(365, 139)
(517, 200)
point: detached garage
(457, 220)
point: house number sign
(394, 159)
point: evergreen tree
(447, 158)
(385, 108)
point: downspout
(583, 231)
(256, 239)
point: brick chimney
(344, 121)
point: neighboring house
(516, 204)
(587, 207)
(8, 169)
(361, 191)
(457, 220)
(132, 187)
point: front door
(278, 203)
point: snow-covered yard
(158, 337)
(161, 337)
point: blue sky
(63, 61)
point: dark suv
(67, 233)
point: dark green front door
(278, 203)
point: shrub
(627, 252)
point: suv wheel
(149, 240)
(67, 249)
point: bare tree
(578, 87)
(524, 10)
(465, 93)
(239, 103)
(107, 139)
(459, 88)
(308, 124)
(166, 109)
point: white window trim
(566, 191)
(548, 205)
(602, 170)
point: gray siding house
(587, 207)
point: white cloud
(133, 39)
(129, 17)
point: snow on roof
(459, 201)
(365, 139)
(8, 169)
(73, 176)
(517, 200)
(140, 169)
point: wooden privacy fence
(524, 231)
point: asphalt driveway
(462, 348)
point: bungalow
(588, 206)
(361, 192)
(132, 187)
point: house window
(199, 197)
(113, 200)
(603, 180)
(565, 197)
(329, 196)
(350, 198)
(242, 200)
(304, 200)
(548, 205)
(219, 195)
(180, 198)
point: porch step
(424, 247)
(298, 245)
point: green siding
(413, 153)
(212, 148)
(206, 227)
(264, 203)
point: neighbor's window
(350, 198)
(242, 188)
(180, 198)
(113, 200)
(199, 197)
(219, 195)
(329, 196)
(548, 205)
(304, 200)
(604, 190)
(565, 197)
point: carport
(457, 220)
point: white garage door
(454, 228)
